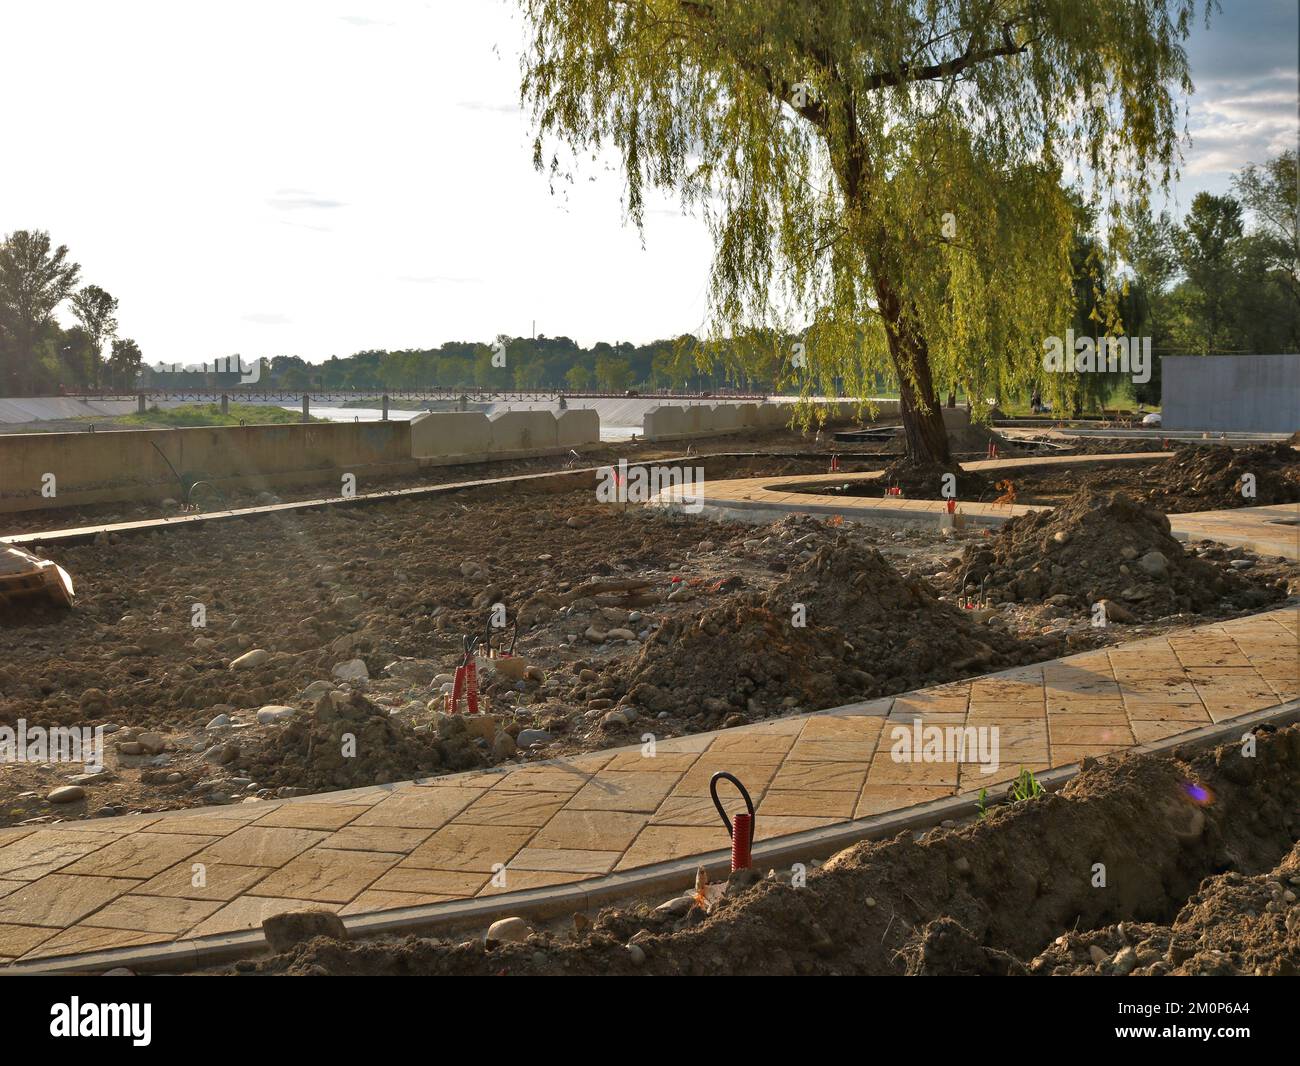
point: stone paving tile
(686, 810)
(61, 899)
(878, 799)
(420, 808)
(512, 808)
(568, 860)
(754, 770)
(374, 901)
(154, 914)
(17, 940)
(81, 939)
(8, 836)
(376, 838)
(659, 843)
(261, 846)
(469, 847)
(218, 880)
(783, 825)
(326, 876)
(806, 804)
(885, 770)
(139, 855)
(47, 850)
(825, 776)
(745, 741)
(204, 824)
(248, 912)
(618, 790)
(456, 883)
(311, 816)
(662, 762)
(523, 880)
(10, 886)
(591, 830)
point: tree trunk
(923, 426)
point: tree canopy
(886, 172)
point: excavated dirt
(841, 619)
(925, 481)
(1104, 546)
(1182, 863)
(1211, 479)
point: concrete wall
(1245, 393)
(96, 467)
(674, 422)
(444, 437)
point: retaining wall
(442, 438)
(99, 467)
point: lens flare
(1198, 793)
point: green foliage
(882, 176)
(1025, 787)
(196, 414)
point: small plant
(983, 805)
(1025, 787)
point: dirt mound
(926, 481)
(841, 621)
(1211, 478)
(1101, 546)
(1232, 925)
(976, 899)
(347, 742)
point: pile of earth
(348, 742)
(927, 481)
(842, 624)
(1013, 893)
(1102, 546)
(1210, 478)
(1234, 924)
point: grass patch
(209, 414)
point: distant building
(1232, 393)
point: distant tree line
(1224, 280)
(37, 354)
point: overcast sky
(316, 178)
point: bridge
(280, 395)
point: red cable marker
(740, 827)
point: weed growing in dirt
(1025, 787)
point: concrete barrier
(450, 433)
(442, 438)
(575, 428)
(75, 469)
(522, 431)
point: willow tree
(885, 173)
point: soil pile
(1102, 546)
(1211, 478)
(347, 742)
(1232, 925)
(843, 621)
(926, 481)
(987, 897)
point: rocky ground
(325, 620)
(218, 658)
(1146, 865)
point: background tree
(887, 168)
(1269, 192)
(35, 278)
(96, 310)
(1209, 252)
(124, 362)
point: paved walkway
(1267, 530)
(199, 878)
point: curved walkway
(1271, 530)
(191, 888)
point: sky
(318, 178)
